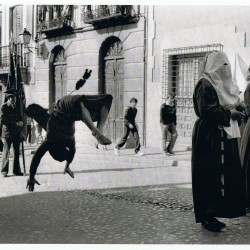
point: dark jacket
(69, 107)
(130, 115)
(167, 114)
(9, 117)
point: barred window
(180, 68)
(180, 74)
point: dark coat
(9, 117)
(245, 144)
(207, 168)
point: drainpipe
(145, 60)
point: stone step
(152, 157)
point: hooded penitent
(217, 178)
(216, 69)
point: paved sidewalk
(112, 199)
(97, 169)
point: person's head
(133, 102)
(216, 62)
(217, 69)
(11, 96)
(169, 100)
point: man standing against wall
(11, 132)
(168, 124)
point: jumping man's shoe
(70, 172)
(117, 151)
(139, 154)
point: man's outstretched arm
(34, 165)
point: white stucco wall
(182, 26)
(82, 51)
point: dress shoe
(170, 152)
(221, 224)
(212, 225)
(18, 174)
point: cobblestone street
(155, 214)
(132, 203)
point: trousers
(7, 142)
(168, 128)
(124, 138)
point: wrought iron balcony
(107, 15)
(5, 58)
(58, 26)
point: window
(180, 74)
(17, 22)
(180, 69)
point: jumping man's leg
(101, 123)
(104, 114)
(68, 170)
(86, 118)
(69, 159)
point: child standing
(168, 124)
(130, 125)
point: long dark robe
(207, 169)
(245, 145)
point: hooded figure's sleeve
(207, 104)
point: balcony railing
(114, 14)
(58, 23)
(5, 58)
(54, 20)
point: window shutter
(17, 22)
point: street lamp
(25, 37)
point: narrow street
(131, 203)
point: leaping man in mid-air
(60, 126)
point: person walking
(130, 126)
(218, 183)
(168, 125)
(11, 133)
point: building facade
(67, 39)
(178, 39)
(133, 51)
